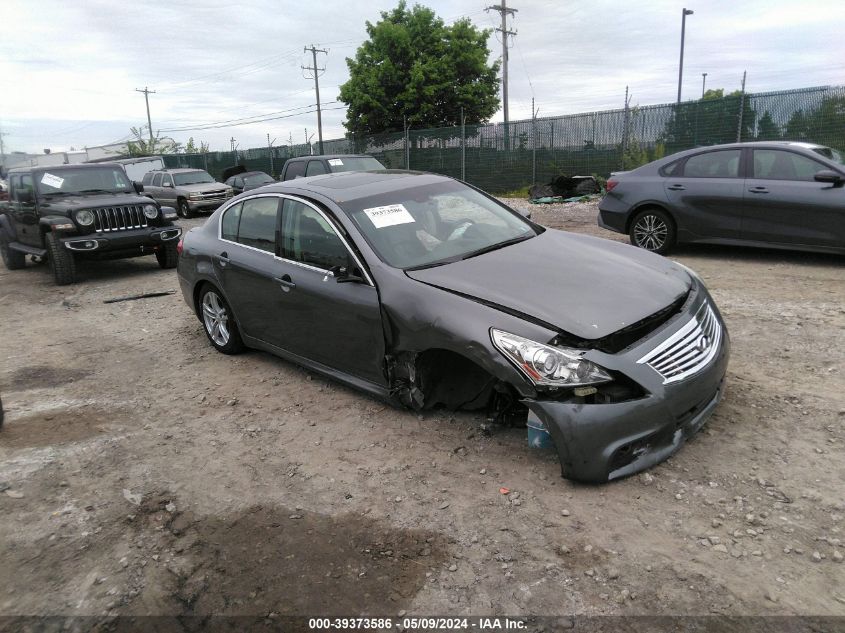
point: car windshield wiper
(439, 262)
(497, 246)
(60, 193)
(96, 191)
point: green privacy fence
(500, 158)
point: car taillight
(611, 184)
(179, 247)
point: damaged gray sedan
(426, 292)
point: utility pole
(147, 92)
(741, 108)
(316, 71)
(232, 143)
(270, 148)
(703, 83)
(684, 15)
(504, 11)
(2, 152)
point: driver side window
(308, 238)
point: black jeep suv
(65, 212)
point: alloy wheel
(650, 232)
(216, 318)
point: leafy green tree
(415, 66)
(823, 125)
(711, 120)
(767, 129)
(192, 148)
(142, 145)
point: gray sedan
(773, 194)
(426, 292)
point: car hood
(202, 187)
(68, 203)
(585, 286)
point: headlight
(195, 196)
(547, 365)
(150, 211)
(85, 217)
(229, 192)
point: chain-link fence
(499, 157)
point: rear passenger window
(720, 164)
(148, 178)
(315, 168)
(257, 226)
(295, 170)
(157, 180)
(229, 224)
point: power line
(316, 71)
(272, 118)
(256, 118)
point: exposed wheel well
(197, 292)
(646, 207)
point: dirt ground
(144, 473)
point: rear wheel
(13, 260)
(61, 261)
(183, 209)
(218, 322)
(167, 255)
(653, 230)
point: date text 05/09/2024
(418, 624)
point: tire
(214, 313)
(61, 261)
(167, 255)
(183, 210)
(653, 230)
(13, 260)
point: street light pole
(703, 83)
(684, 13)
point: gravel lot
(144, 473)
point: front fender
(57, 223)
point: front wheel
(61, 261)
(218, 322)
(167, 255)
(13, 260)
(183, 209)
(653, 230)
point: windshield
(435, 224)
(831, 154)
(354, 163)
(84, 180)
(192, 178)
(257, 179)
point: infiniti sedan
(773, 194)
(426, 292)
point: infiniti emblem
(703, 343)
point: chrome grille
(689, 349)
(108, 219)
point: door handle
(758, 190)
(676, 188)
(286, 283)
(223, 259)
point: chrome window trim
(283, 196)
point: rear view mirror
(139, 188)
(828, 175)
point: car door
(154, 188)
(26, 211)
(247, 265)
(168, 191)
(324, 318)
(707, 195)
(784, 204)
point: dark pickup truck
(73, 211)
(304, 166)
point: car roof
(19, 170)
(179, 170)
(252, 173)
(331, 156)
(352, 185)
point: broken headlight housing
(546, 365)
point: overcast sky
(69, 70)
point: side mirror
(139, 188)
(828, 175)
(343, 276)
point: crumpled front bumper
(602, 442)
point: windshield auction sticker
(52, 181)
(335, 162)
(391, 215)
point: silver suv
(189, 190)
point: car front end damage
(663, 389)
